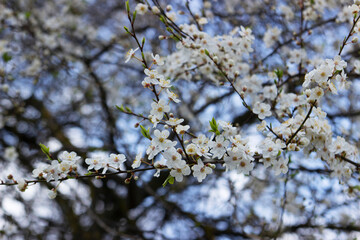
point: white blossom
(11, 154)
(137, 161)
(262, 110)
(181, 170)
(200, 170)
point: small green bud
(121, 108)
(127, 30)
(143, 42)
(207, 52)
(127, 6)
(134, 16)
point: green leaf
(127, 6)
(45, 150)
(121, 108)
(134, 16)
(6, 57)
(89, 173)
(207, 52)
(279, 73)
(145, 132)
(162, 19)
(175, 38)
(143, 42)
(170, 179)
(127, 30)
(214, 126)
(27, 15)
(337, 72)
(128, 109)
(213, 123)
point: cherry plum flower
(159, 108)
(137, 161)
(95, 162)
(181, 170)
(141, 8)
(245, 166)
(281, 166)
(200, 170)
(69, 157)
(116, 160)
(262, 110)
(152, 76)
(130, 54)
(157, 59)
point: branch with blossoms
(339, 65)
(302, 125)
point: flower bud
(155, 10)
(52, 193)
(291, 147)
(231, 63)
(213, 166)
(207, 4)
(5, 87)
(22, 185)
(179, 150)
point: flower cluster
(114, 161)
(66, 164)
(322, 76)
(229, 50)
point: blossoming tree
(195, 120)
